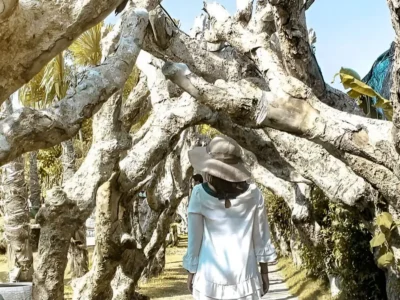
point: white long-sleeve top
(226, 244)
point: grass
(67, 277)
(172, 283)
(300, 285)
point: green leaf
(377, 240)
(350, 72)
(351, 80)
(386, 259)
(86, 50)
(385, 220)
(354, 94)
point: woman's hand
(265, 281)
(190, 282)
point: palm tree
(86, 50)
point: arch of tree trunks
(252, 76)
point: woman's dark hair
(227, 190)
(198, 178)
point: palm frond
(55, 81)
(86, 50)
(33, 93)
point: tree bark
(34, 184)
(156, 266)
(78, 254)
(394, 6)
(170, 187)
(228, 64)
(29, 129)
(67, 209)
(16, 217)
(68, 160)
(53, 26)
(96, 284)
(392, 273)
(293, 34)
(161, 132)
(16, 222)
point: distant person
(229, 236)
(195, 180)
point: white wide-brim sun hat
(222, 158)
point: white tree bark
(16, 218)
(16, 222)
(136, 106)
(34, 184)
(336, 136)
(255, 71)
(362, 148)
(67, 209)
(293, 34)
(16, 225)
(28, 129)
(7, 8)
(170, 118)
(244, 10)
(168, 189)
(53, 26)
(226, 64)
(68, 160)
(394, 6)
(96, 284)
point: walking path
(278, 289)
(172, 284)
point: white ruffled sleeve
(265, 250)
(195, 232)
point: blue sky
(350, 33)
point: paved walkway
(278, 289)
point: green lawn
(300, 285)
(172, 283)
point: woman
(228, 228)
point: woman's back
(227, 261)
(228, 227)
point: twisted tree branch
(29, 129)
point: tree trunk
(68, 208)
(58, 221)
(16, 222)
(58, 20)
(167, 187)
(34, 197)
(16, 217)
(156, 266)
(34, 185)
(78, 254)
(68, 159)
(96, 284)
